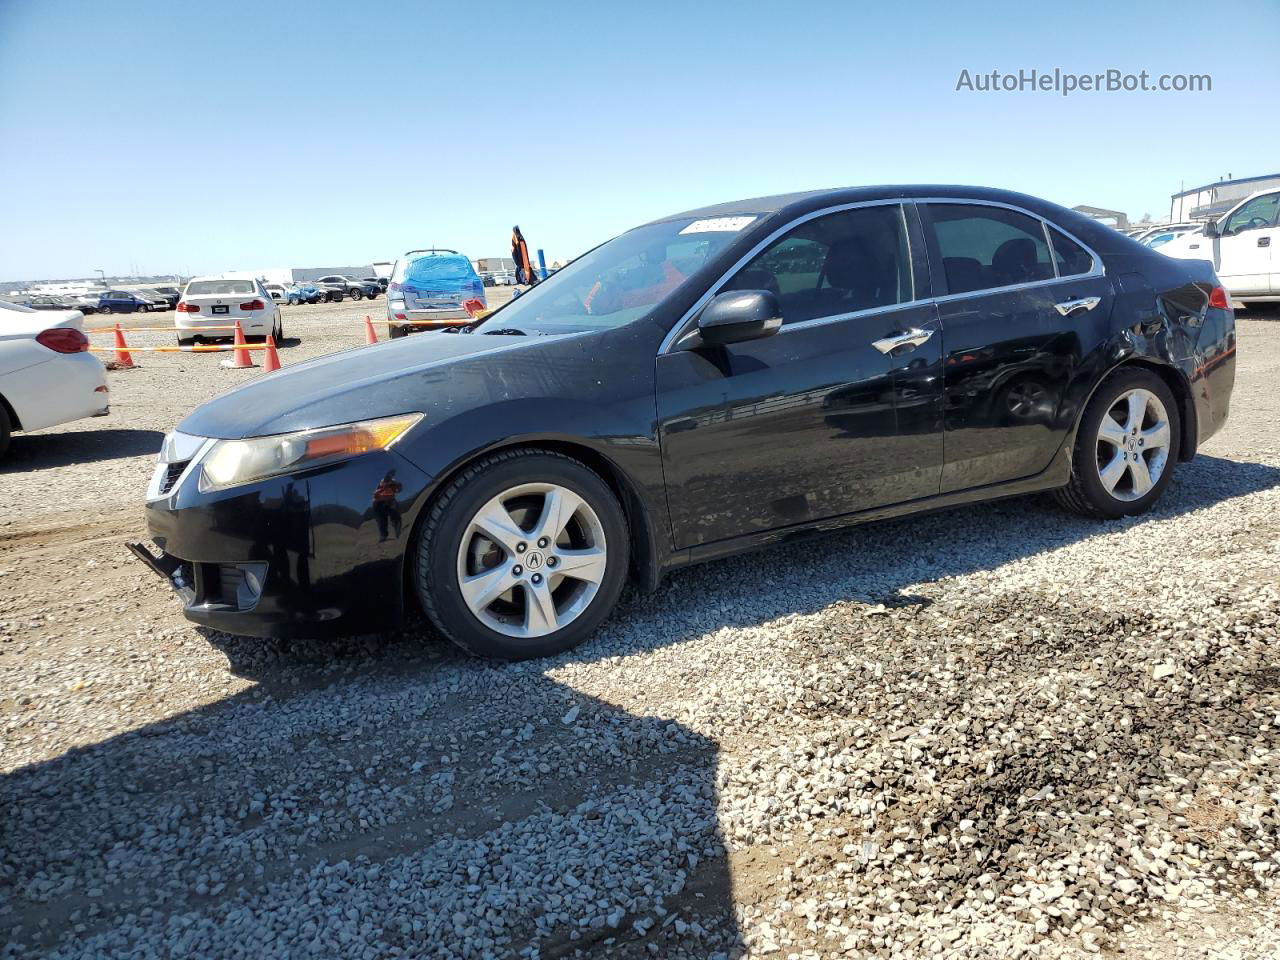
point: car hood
(396, 376)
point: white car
(1242, 246)
(209, 305)
(277, 292)
(46, 377)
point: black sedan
(707, 383)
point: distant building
(1214, 199)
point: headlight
(232, 462)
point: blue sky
(234, 135)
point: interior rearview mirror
(736, 317)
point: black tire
(186, 341)
(104, 309)
(356, 294)
(6, 430)
(1085, 494)
(395, 333)
(439, 537)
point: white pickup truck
(1242, 246)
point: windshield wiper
(506, 332)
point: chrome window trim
(1098, 268)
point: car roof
(814, 199)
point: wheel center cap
(1132, 444)
(533, 560)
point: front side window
(837, 264)
(1257, 213)
(987, 247)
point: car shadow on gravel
(379, 795)
(45, 451)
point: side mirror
(738, 316)
(1211, 229)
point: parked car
(171, 293)
(1243, 245)
(53, 303)
(123, 301)
(355, 289)
(156, 300)
(687, 390)
(299, 293)
(380, 282)
(46, 377)
(429, 290)
(277, 292)
(219, 302)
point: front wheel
(357, 294)
(1126, 448)
(522, 555)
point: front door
(1246, 257)
(1015, 316)
(817, 420)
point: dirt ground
(94, 654)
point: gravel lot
(993, 732)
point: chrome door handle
(912, 338)
(1264, 241)
(1068, 307)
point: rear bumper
(81, 391)
(255, 325)
(309, 555)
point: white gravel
(999, 731)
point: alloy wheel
(1133, 444)
(531, 560)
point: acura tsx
(707, 383)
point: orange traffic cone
(241, 353)
(369, 335)
(272, 362)
(124, 359)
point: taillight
(393, 287)
(184, 307)
(63, 340)
(253, 305)
(1218, 298)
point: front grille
(171, 475)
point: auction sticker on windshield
(718, 225)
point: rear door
(825, 417)
(1246, 247)
(1020, 300)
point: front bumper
(312, 554)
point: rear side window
(841, 263)
(1071, 258)
(987, 247)
(219, 287)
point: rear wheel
(104, 309)
(1126, 448)
(522, 555)
(395, 333)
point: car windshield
(216, 287)
(618, 281)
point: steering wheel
(1255, 222)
